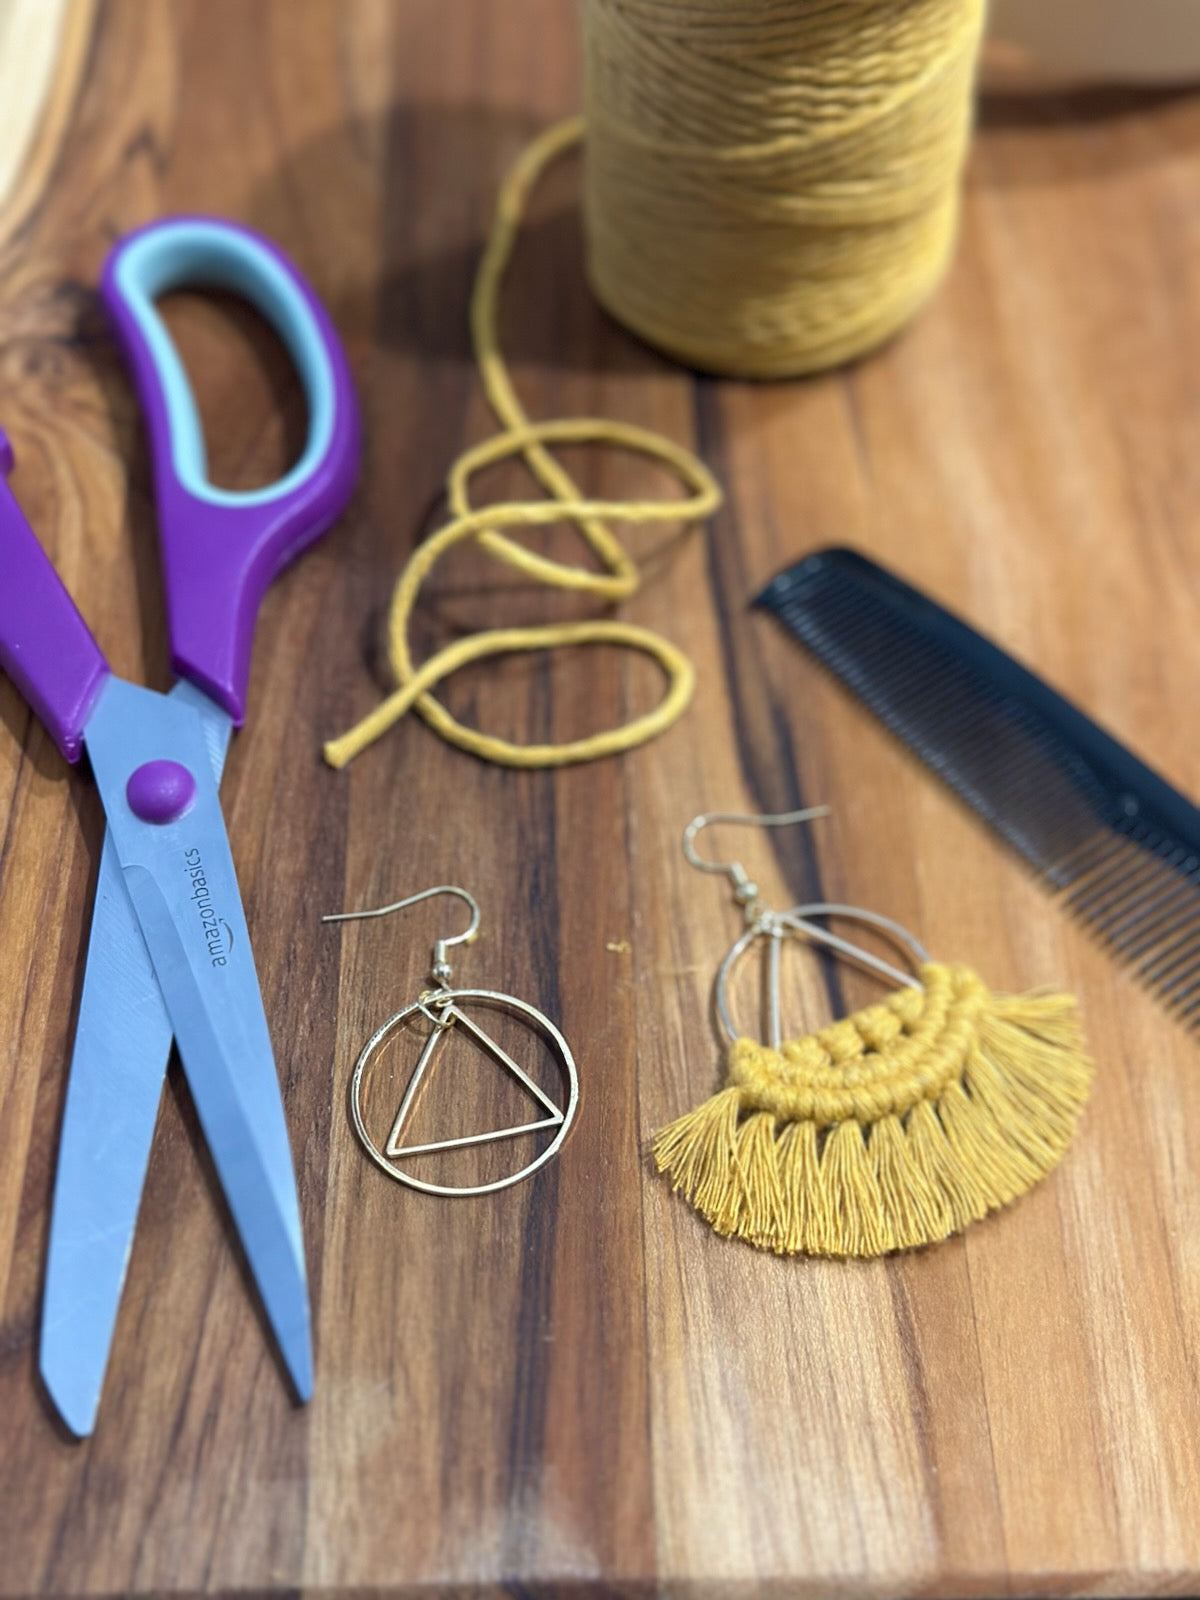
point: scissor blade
(122, 1043)
(216, 1057)
(180, 879)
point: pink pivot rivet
(160, 791)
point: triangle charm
(450, 1016)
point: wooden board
(574, 1387)
(43, 50)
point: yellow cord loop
(617, 577)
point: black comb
(1118, 843)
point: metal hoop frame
(777, 925)
(523, 1010)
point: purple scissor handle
(45, 645)
(169, 952)
(222, 548)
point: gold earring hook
(411, 900)
(440, 968)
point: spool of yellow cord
(772, 187)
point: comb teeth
(1120, 846)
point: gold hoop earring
(447, 1008)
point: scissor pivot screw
(160, 791)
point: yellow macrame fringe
(893, 1128)
(618, 578)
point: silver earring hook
(776, 925)
(440, 970)
(744, 890)
(771, 819)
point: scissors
(169, 955)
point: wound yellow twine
(892, 1128)
(618, 577)
(772, 185)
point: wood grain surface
(574, 1387)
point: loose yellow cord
(618, 578)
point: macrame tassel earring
(892, 1128)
